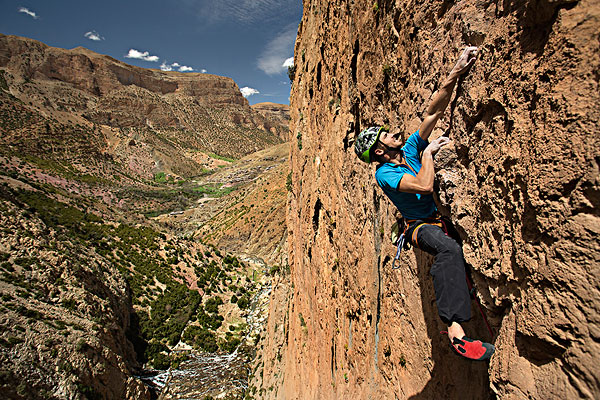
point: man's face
(391, 141)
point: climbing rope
(472, 292)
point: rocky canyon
(109, 280)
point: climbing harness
(401, 241)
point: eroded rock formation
(520, 182)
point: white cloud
(169, 67)
(277, 51)
(141, 55)
(203, 71)
(93, 35)
(248, 91)
(289, 62)
(28, 12)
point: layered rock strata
(520, 182)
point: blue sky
(250, 41)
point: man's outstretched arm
(442, 98)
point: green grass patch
(214, 190)
(160, 177)
(218, 157)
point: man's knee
(451, 246)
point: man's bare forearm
(423, 182)
(427, 172)
(442, 98)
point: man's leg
(449, 278)
(451, 290)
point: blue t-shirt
(389, 175)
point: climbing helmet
(365, 141)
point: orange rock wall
(520, 181)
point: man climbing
(407, 180)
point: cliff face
(278, 113)
(520, 182)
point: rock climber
(407, 179)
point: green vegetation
(274, 270)
(288, 182)
(160, 177)
(230, 343)
(302, 322)
(166, 311)
(14, 115)
(387, 70)
(213, 190)
(219, 157)
(88, 392)
(201, 338)
(292, 72)
(402, 360)
(133, 250)
(212, 304)
(243, 302)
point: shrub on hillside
(200, 338)
(243, 302)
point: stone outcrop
(520, 182)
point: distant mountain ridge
(274, 112)
(209, 110)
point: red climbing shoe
(473, 349)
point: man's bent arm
(442, 98)
(423, 182)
